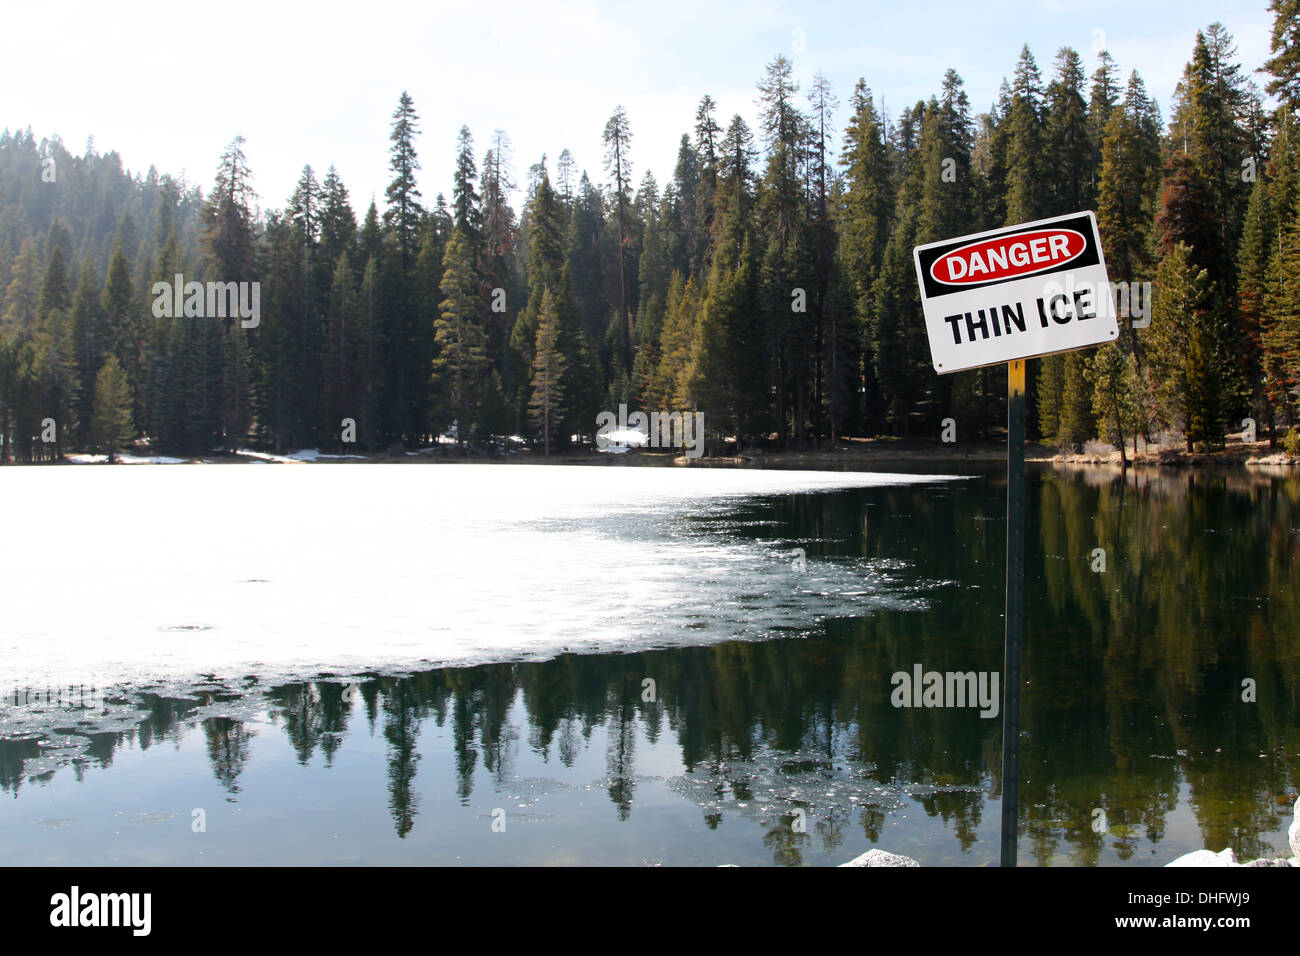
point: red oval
(1008, 257)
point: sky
(170, 84)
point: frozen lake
(168, 573)
(375, 664)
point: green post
(1015, 602)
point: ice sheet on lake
(768, 785)
(135, 575)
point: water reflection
(1134, 703)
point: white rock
(1294, 832)
(1206, 858)
(881, 858)
(1225, 857)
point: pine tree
(681, 215)
(1182, 360)
(659, 242)
(54, 370)
(23, 295)
(425, 294)
(500, 237)
(228, 245)
(787, 267)
(1024, 131)
(1259, 237)
(865, 220)
(370, 240)
(727, 363)
(565, 175)
(87, 344)
(461, 359)
(1271, 243)
(122, 311)
(1281, 327)
(55, 294)
(896, 347)
(110, 423)
(1284, 44)
(404, 211)
(1050, 389)
(466, 203)
(1215, 100)
(1116, 396)
(338, 223)
(407, 348)
(1069, 153)
(547, 402)
(500, 230)
(166, 378)
(1076, 423)
(784, 129)
(948, 207)
(1127, 198)
(228, 218)
(674, 384)
(342, 373)
(275, 379)
(841, 354)
(303, 216)
(618, 138)
(708, 136)
(649, 329)
(947, 190)
(735, 200)
(581, 380)
(821, 104)
(868, 197)
(1130, 174)
(304, 209)
(584, 242)
(1102, 101)
(544, 262)
(370, 359)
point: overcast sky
(169, 84)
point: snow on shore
(125, 459)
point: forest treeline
(769, 283)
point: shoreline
(846, 452)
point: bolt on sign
(1016, 293)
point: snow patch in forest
(314, 454)
(266, 456)
(620, 439)
(80, 459)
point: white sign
(1015, 293)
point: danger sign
(1015, 293)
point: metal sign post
(1015, 604)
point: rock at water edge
(881, 858)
